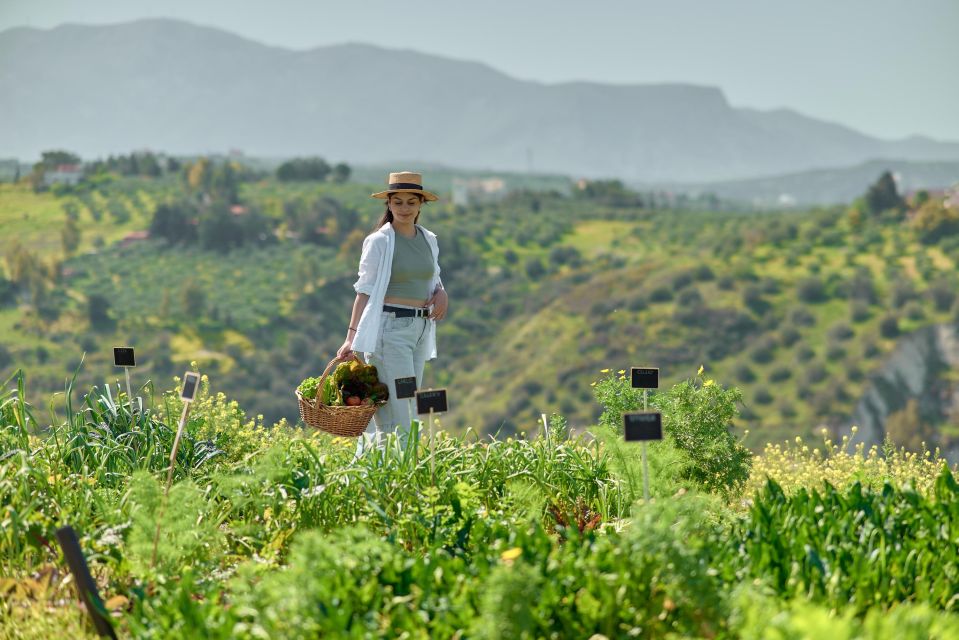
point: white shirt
(376, 264)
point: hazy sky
(889, 68)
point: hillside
(166, 84)
(799, 310)
(823, 186)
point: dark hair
(388, 214)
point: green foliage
(279, 532)
(889, 326)
(857, 548)
(308, 169)
(172, 221)
(98, 311)
(609, 192)
(188, 535)
(308, 388)
(811, 290)
(697, 416)
(759, 617)
(934, 221)
(883, 195)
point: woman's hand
(346, 351)
(440, 301)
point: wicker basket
(347, 422)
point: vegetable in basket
(351, 384)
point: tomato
(353, 401)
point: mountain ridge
(186, 88)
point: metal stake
(126, 370)
(645, 464)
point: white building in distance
(468, 191)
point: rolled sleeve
(369, 261)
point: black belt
(404, 312)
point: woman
(399, 298)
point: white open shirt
(376, 265)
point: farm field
(800, 309)
(270, 531)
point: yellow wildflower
(604, 370)
(700, 372)
(511, 554)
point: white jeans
(401, 352)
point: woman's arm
(439, 301)
(358, 305)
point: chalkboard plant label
(640, 426)
(644, 377)
(431, 399)
(405, 387)
(123, 357)
(191, 380)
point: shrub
(789, 336)
(914, 311)
(565, 255)
(535, 268)
(661, 293)
(697, 415)
(835, 352)
(859, 287)
(743, 373)
(814, 373)
(636, 304)
(780, 373)
(762, 396)
(753, 299)
(769, 286)
(811, 290)
(902, 292)
(805, 353)
(943, 293)
(703, 273)
(859, 312)
(934, 221)
(889, 326)
(681, 280)
(764, 350)
(853, 371)
(689, 298)
(801, 317)
(786, 409)
(726, 283)
(841, 332)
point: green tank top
(412, 269)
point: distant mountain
(181, 88)
(822, 186)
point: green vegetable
(308, 387)
(349, 378)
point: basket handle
(319, 386)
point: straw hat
(405, 182)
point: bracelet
(352, 328)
